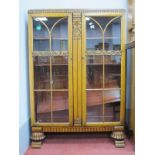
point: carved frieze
(103, 52)
(77, 129)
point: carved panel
(77, 122)
(77, 26)
(36, 129)
(118, 128)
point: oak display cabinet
(77, 72)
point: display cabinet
(77, 72)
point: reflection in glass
(112, 35)
(41, 60)
(60, 107)
(41, 72)
(111, 105)
(93, 35)
(41, 45)
(60, 60)
(112, 71)
(94, 44)
(59, 45)
(94, 72)
(40, 34)
(44, 28)
(110, 27)
(103, 106)
(94, 106)
(51, 107)
(94, 76)
(60, 36)
(43, 106)
(94, 60)
(60, 72)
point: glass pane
(41, 72)
(60, 72)
(43, 26)
(60, 106)
(60, 35)
(112, 71)
(41, 45)
(40, 34)
(43, 106)
(60, 60)
(94, 72)
(111, 26)
(103, 106)
(93, 35)
(112, 35)
(59, 45)
(111, 105)
(94, 106)
(51, 107)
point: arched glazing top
(50, 33)
(103, 33)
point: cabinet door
(103, 71)
(50, 58)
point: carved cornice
(75, 10)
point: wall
(24, 131)
(93, 4)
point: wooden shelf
(93, 38)
(106, 64)
(112, 64)
(59, 64)
(93, 99)
(103, 89)
(48, 90)
(40, 38)
(88, 64)
(40, 65)
(51, 38)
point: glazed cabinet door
(50, 65)
(103, 71)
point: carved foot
(36, 139)
(119, 143)
(118, 135)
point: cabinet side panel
(31, 76)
